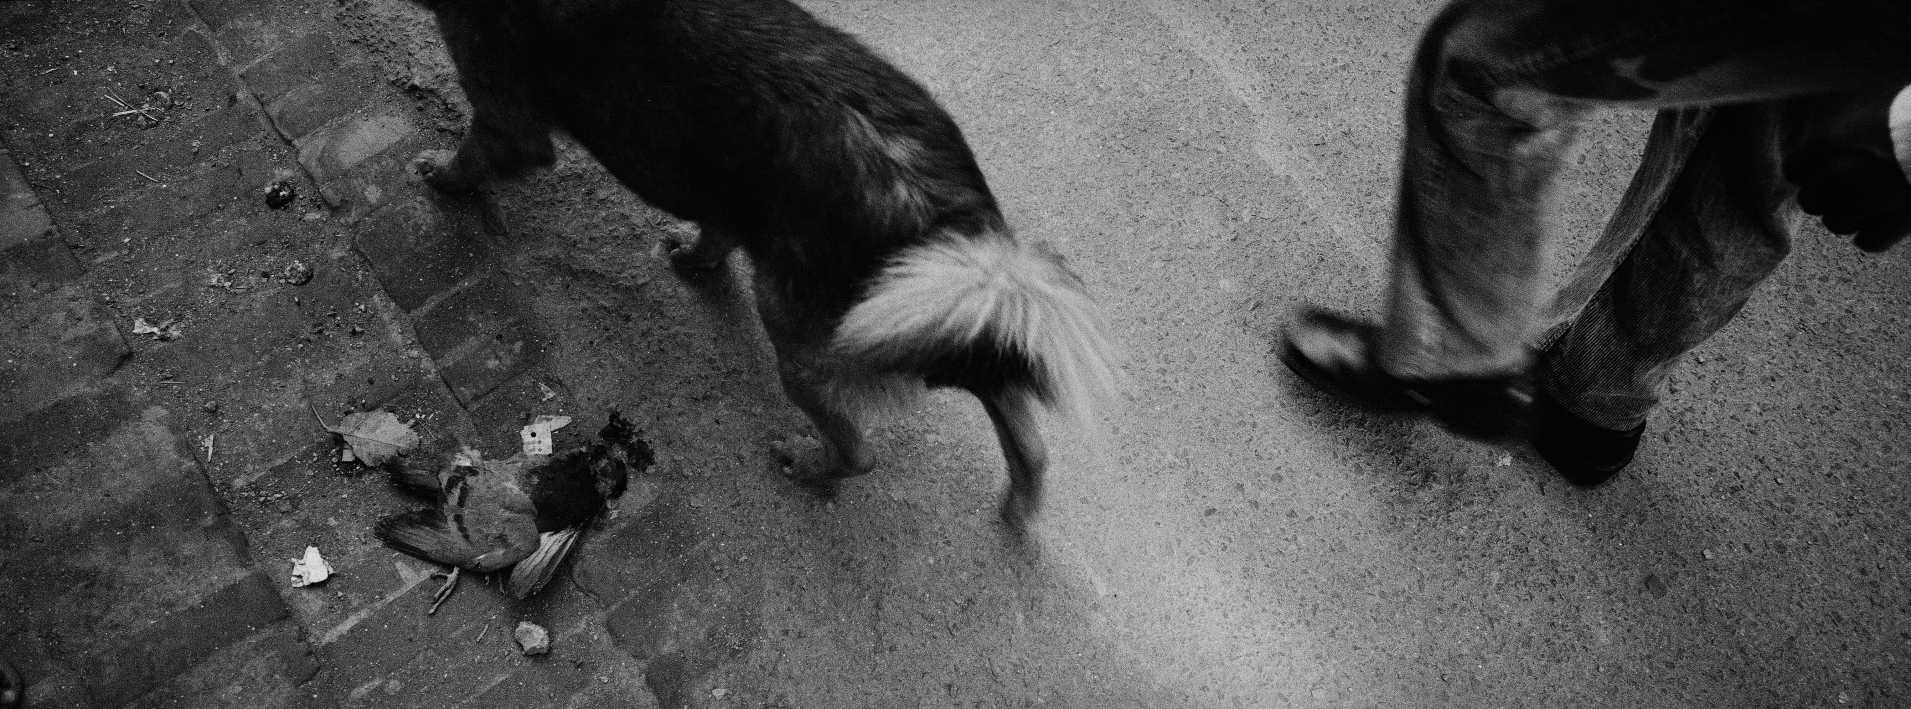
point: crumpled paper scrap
(537, 436)
(310, 570)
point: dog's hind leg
(801, 360)
(1012, 412)
(845, 452)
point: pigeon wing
(426, 535)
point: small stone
(719, 692)
(297, 273)
(279, 194)
(211, 407)
(532, 638)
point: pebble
(279, 194)
(532, 638)
(297, 273)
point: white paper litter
(165, 330)
(310, 570)
(537, 436)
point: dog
(881, 258)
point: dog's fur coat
(879, 252)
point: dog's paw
(801, 460)
(434, 166)
(686, 258)
(687, 261)
(1018, 512)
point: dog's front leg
(488, 151)
(713, 243)
(509, 133)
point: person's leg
(1498, 90)
(1724, 223)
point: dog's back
(818, 154)
(877, 246)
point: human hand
(1840, 155)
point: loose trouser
(1498, 93)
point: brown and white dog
(880, 255)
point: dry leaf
(373, 437)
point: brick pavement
(154, 490)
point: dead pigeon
(523, 513)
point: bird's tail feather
(537, 569)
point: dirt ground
(1228, 538)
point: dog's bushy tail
(986, 312)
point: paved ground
(1230, 539)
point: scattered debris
(537, 436)
(296, 273)
(371, 437)
(533, 639)
(310, 570)
(209, 438)
(149, 178)
(1505, 460)
(219, 280)
(149, 113)
(167, 330)
(280, 193)
(545, 391)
